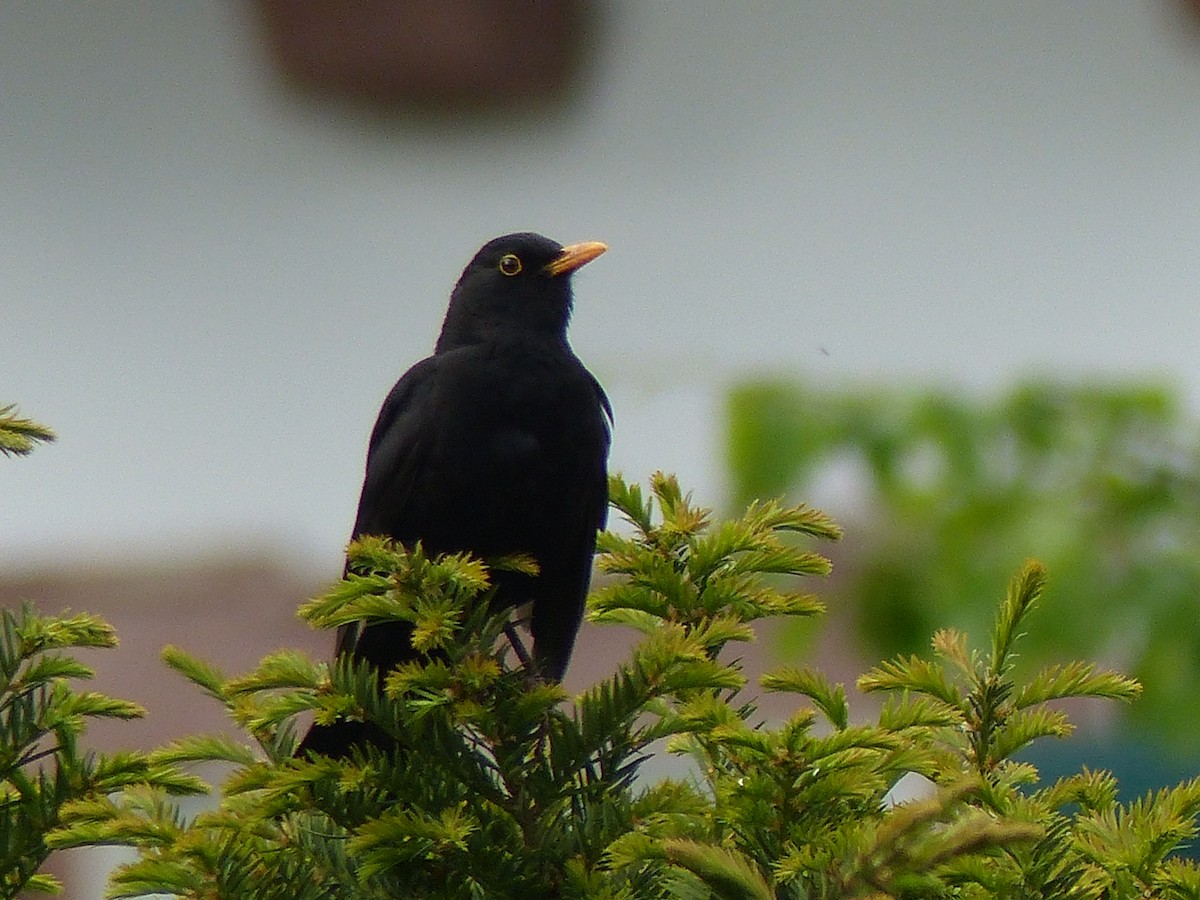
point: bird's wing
(397, 446)
(555, 620)
(601, 498)
(395, 457)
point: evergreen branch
(627, 499)
(279, 670)
(918, 837)
(416, 835)
(46, 668)
(78, 705)
(43, 775)
(727, 873)
(1023, 593)
(951, 645)
(760, 603)
(1022, 727)
(43, 884)
(1177, 879)
(1135, 840)
(679, 517)
(912, 674)
(496, 787)
(40, 634)
(778, 560)
(919, 711)
(326, 611)
(830, 699)
(18, 436)
(204, 675)
(202, 748)
(1076, 680)
(1094, 792)
(772, 516)
(619, 612)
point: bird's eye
(510, 264)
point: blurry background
(228, 227)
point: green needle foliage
(42, 717)
(18, 436)
(501, 788)
(505, 787)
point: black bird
(496, 444)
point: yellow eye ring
(510, 264)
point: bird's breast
(510, 407)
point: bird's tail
(338, 739)
(385, 645)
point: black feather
(497, 444)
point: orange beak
(573, 256)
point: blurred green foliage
(950, 491)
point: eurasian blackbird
(496, 444)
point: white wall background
(207, 286)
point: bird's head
(516, 284)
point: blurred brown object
(229, 611)
(431, 52)
(1184, 22)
